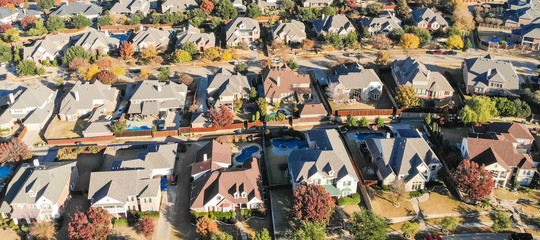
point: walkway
(240, 227)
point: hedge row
(215, 215)
(354, 199)
(120, 222)
(418, 193)
(151, 214)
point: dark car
(450, 53)
(363, 147)
(521, 236)
(174, 179)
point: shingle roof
(119, 185)
(92, 39)
(506, 131)
(289, 30)
(281, 79)
(529, 31)
(482, 69)
(151, 37)
(226, 84)
(428, 15)
(381, 22)
(355, 77)
(216, 153)
(150, 93)
(335, 23)
(6, 12)
(413, 72)
(54, 45)
(179, 5)
(194, 35)
(88, 93)
(487, 151)
(130, 6)
(23, 12)
(231, 34)
(32, 97)
(76, 8)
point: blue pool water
(138, 128)
(247, 153)
(4, 171)
(363, 136)
(121, 37)
(289, 143)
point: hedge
(120, 222)
(215, 215)
(416, 194)
(246, 213)
(354, 199)
(151, 214)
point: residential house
(409, 159)
(426, 18)
(517, 133)
(131, 7)
(521, 13)
(84, 97)
(7, 15)
(426, 83)
(39, 191)
(339, 24)
(157, 160)
(282, 83)
(313, 110)
(151, 37)
(34, 105)
(49, 48)
(178, 5)
(194, 35)
(126, 190)
(240, 7)
(153, 97)
(225, 87)
(242, 31)
(227, 190)
(317, 3)
(267, 5)
(361, 84)
(25, 12)
(211, 157)
(289, 32)
(486, 75)
(326, 162)
(74, 8)
(97, 43)
(501, 158)
(382, 24)
(527, 36)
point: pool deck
(255, 154)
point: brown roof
(215, 153)
(488, 151)
(278, 80)
(311, 109)
(226, 183)
(508, 131)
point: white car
(2, 64)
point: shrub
(386, 187)
(120, 222)
(151, 214)
(352, 200)
(416, 194)
(246, 213)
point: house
(326, 162)
(225, 87)
(289, 32)
(426, 18)
(426, 83)
(227, 190)
(39, 191)
(157, 160)
(126, 190)
(501, 158)
(486, 75)
(527, 36)
(339, 24)
(178, 5)
(34, 105)
(267, 5)
(153, 97)
(97, 43)
(131, 7)
(7, 15)
(211, 157)
(240, 7)
(242, 31)
(517, 133)
(194, 35)
(69, 9)
(409, 159)
(282, 83)
(25, 12)
(317, 3)
(49, 48)
(151, 37)
(361, 84)
(521, 13)
(84, 97)
(382, 24)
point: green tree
(253, 93)
(241, 67)
(105, 20)
(450, 223)
(11, 35)
(198, 13)
(45, 4)
(402, 8)
(467, 45)
(155, 18)
(501, 221)
(38, 29)
(351, 38)
(364, 122)
(428, 118)
(453, 31)
(522, 108)
(196, 21)
(135, 20)
(396, 34)
(421, 33)
(215, 23)
(374, 9)
(190, 48)
(505, 107)
(164, 74)
(81, 21)
(379, 121)
(75, 51)
(288, 4)
(367, 225)
(5, 53)
(222, 236)
(308, 230)
(26, 67)
(181, 56)
(263, 106)
(334, 39)
(352, 121)
(292, 64)
(119, 127)
(410, 228)
(263, 235)
(253, 10)
(329, 11)
(406, 96)
(478, 109)
(226, 9)
(55, 23)
(306, 14)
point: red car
(174, 179)
(433, 238)
(438, 52)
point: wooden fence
(368, 112)
(81, 140)
(139, 133)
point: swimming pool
(138, 128)
(363, 136)
(289, 143)
(121, 37)
(247, 153)
(4, 171)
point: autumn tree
(148, 53)
(409, 40)
(473, 179)
(5, 27)
(454, 42)
(126, 50)
(380, 41)
(107, 77)
(37, 29)
(185, 79)
(406, 96)
(463, 20)
(27, 21)
(92, 224)
(146, 227)
(14, 151)
(73, 52)
(207, 7)
(307, 44)
(313, 204)
(222, 117)
(478, 109)
(352, 4)
(181, 56)
(382, 57)
(44, 230)
(78, 62)
(337, 93)
(206, 226)
(92, 72)
(11, 35)
(211, 54)
(402, 8)
(226, 56)
(367, 225)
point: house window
(45, 206)
(149, 200)
(243, 205)
(345, 193)
(32, 194)
(32, 206)
(20, 206)
(317, 181)
(130, 198)
(433, 168)
(244, 195)
(235, 195)
(347, 183)
(255, 206)
(218, 198)
(131, 207)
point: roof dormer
(244, 195)
(236, 195)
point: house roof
(179, 5)
(87, 94)
(355, 76)
(76, 8)
(487, 151)
(119, 185)
(46, 180)
(239, 24)
(156, 156)
(23, 12)
(506, 131)
(151, 37)
(226, 84)
(226, 182)
(281, 79)
(6, 12)
(50, 44)
(289, 30)
(526, 10)
(313, 109)
(194, 35)
(335, 23)
(428, 15)
(32, 97)
(150, 96)
(411, 71)
(382, 21)
(216, 153)
(92, 38)
(529, 31)
(130, 6)
(481, 70)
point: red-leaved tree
(313, 204)
(126, 50)
(5, 27)
(106, 77)
(222, 117)
(103, 63)
(206, 226)
(14, 151)
(352, 4)
(4, 3)
(207, 7)
(27, 21)
(146, 227)
(92, 225)
(473, 179)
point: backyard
(67, 129)
(383, 103)
(383, 204)
(276, 165)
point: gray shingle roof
(482, 69)
(156, 156)
(194, 35)
(130, 6)
(411, 71)
(178, 5)
(88, 93)
(385, 22)
(22, 13)
(335, 23)
(32, 97)
(151, 37)
(6, 12)
(226, 84)
(529, 31)
(355, 77)
(53, 45)
(119, 185)
(76, 8)
(158, 92)
(235, 24)
(428, 15)
(290, 30)
(93, 39)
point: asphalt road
(478, 236)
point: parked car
(174, 179)
(450, 53)
(433, 238)
(121, 110)
(363, 147)
(438, 52)
(521, 236)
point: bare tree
(337, 93)
(398, 187)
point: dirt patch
(445, 203)
(68, 129)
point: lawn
(384, 206)
(276, 165)
(442, 203)
(508, 195)
(351, 209)
(68, 129)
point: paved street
(478, 236)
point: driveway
(166, 215)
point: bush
(354, 199)
(217, 215)
(246, 213)
(152, 214)
(24, 228)
(416, 194)
(385, 187)
(120, 222)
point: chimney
(278, 80)
(76, 96)
(205, 157)
(11, 98)
(36, 163)
(488, 75)
(159, 88)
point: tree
(366, 225)
(288, 4)
(307, 44)
(380, 41)
(454, 42)
(308, 230)
(190, 48)
(253, 93)
(410, 228)
(26, 67)
(126, 50)
(395, 34)
(14, 151)
(522, 108)
(399, 189)
(5, 53)
(505, 107)
(146, 227)
(241, 67)
(45, 4)
(77, 63)
(337, 93)
(328, 11)
(263, 105)
(364, 122)
(107, 77)
(27, 21)
(352, 121)
(75, 51)
(306, 14)
(409, 40)
(43, 230)
(206, 226)
(253, 10)
(211, 54)
(423, 35)
(406, 96)
(119, 127)
(382, 58)
(216, 22)
(11, 35)
(352, 4)
(181, 56)
(92, 72)
(379, 121)
(207, 7)
(92, 224)
(402, 8)
(185, 79)
(196, 21)
(351, 38)
(263, 235)
(226, 56)
(222, 117)
(313, 204)
(38, 29)
(106, 20)
(334, 39)
(164, 74)
(450, 223)
(501, 221)
(222, 236)
(148, 53)
(473, 179)
(5, 27)
(40, 71)
(478, 109)
(453, 31)
(81, 21)
(55, 23)
(467, 45)
(226, 9)
(292, 64)
(463, 20)
(373, 9)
